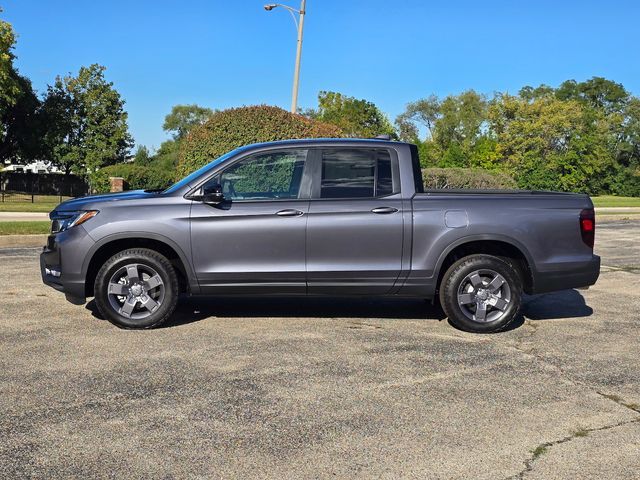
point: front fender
(191, 277)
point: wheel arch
(497, 245)
(113, 244)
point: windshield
(201, 171)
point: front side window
(356, 173)
(265, 176)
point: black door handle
(383, 210)
(289, 213)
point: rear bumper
(566, 276)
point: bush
(471, 178)
(136, 177)
(233, 128)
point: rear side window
(356, 173)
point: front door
(355, 222)
(254, 242)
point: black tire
(152, 305)
(469, 297)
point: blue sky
(229, 53)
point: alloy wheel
(484, 296)
(136, 291)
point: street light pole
(296, 72)
(300, 27)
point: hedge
(136, 177)
(233, 128)
(471, 178)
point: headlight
(64, 220)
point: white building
(38, 166)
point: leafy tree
(529, 93)
(355, 118)
(461, 119)
(142, 156)
(88, 124)
(596, 92)
(610, 113)
(167, 155)
(455, 129)
(421, 113)
(551, 144)
(183, 118)
(22, 126)
(581, 136)
(19, 123)
(9, 86)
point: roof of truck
(329, 141)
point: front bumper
(61, 263)
(567, 275)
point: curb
(17, 241)
(604, 210)
(23, 216)
(617, 218)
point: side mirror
(212, 194)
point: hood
(80, 203)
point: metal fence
(40, 187)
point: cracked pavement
(317, 388)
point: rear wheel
(136, 288)
(481, 293)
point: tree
(610, 113)
(87, 122)
(596, 92)
(529, 93)
(22, 126)
(9, 86)
(167, 155)
(455, 130)
(183, 118)
(552, 144)
(421, 113)
(356, 118)
(180, 121)
(461, 119)
(19, 124)
(142, 156)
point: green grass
(613, 201)
(539, 451)
(24, 228)
(20, 202)
(27, 207)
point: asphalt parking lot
(324, 388)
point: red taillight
(588, 226)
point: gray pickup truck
(319, 217)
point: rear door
(355, 222)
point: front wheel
(136, 288)
(481, 293)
